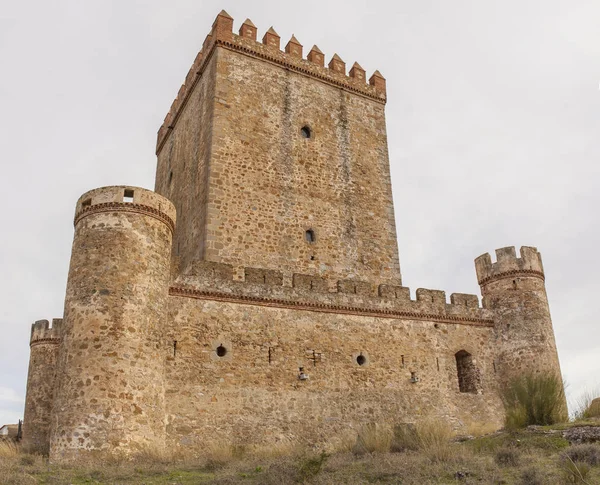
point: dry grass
(582, 406)
(523, 458)
(8, 449)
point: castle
(255, 297)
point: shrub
(8, 449)
(507, 457)
(309, 467)
(588, 453)
(534, 399)
(574, 471)
(373, 438)
(404, 438)
(434, 439)
(532, 476)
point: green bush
(534, 399)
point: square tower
(278, 162)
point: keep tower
(278, 162)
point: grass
(425, 454)
(534, 399)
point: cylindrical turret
(40, 385)
(110, 392)
(514, 289)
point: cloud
(10, 395)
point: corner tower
(277, 161)
(110, 387)
(514, 289)
(41, 378)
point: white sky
(493, 122)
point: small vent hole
(221, 351)
(305, 132)
(128, 195)
(361, 360)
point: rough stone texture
(514, 289)
(582, 434)
(41, 378)
(266, 184)
(110, 391)
(283, 264)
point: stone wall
(233, 374)
(41, 379)
(110, 391)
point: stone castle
(256, 297)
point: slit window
(128, 195)
(310, 236)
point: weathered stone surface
(583, 434)
(272, 309)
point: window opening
(468, 374)
(310, 236)
(86, 203)
(361, 360)
(221, 351)
(305, 132)
(128, 195)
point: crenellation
(248, 30)
(293, 47)
(356, 287)
(41, 330)
(507, 262)
(464, 300)
(222, 34)
(337, 65)
(271, 38)
(316, 56)
(263, 276)
(272, 306)
(310, 282)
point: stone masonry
(255, 298)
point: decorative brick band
(39, 341)
(284, 61)
(126, 207)
(515, 272)
(324, 307)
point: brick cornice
(255, 50)
(324, 307)
(126, 207)
(39, 341)
(515, 272)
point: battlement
(42, 332)
(508, 264)
(126, 198)
(291, 57)
(217, 281)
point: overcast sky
(493, 120)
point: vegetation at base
(534, 399)
(421, 453)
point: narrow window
(170, 177)
(310, 236)
(468, 375)
(128, 195)
(305, 132)
(86, 203)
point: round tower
(110, 388)
(514, 289)
(41, 377)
